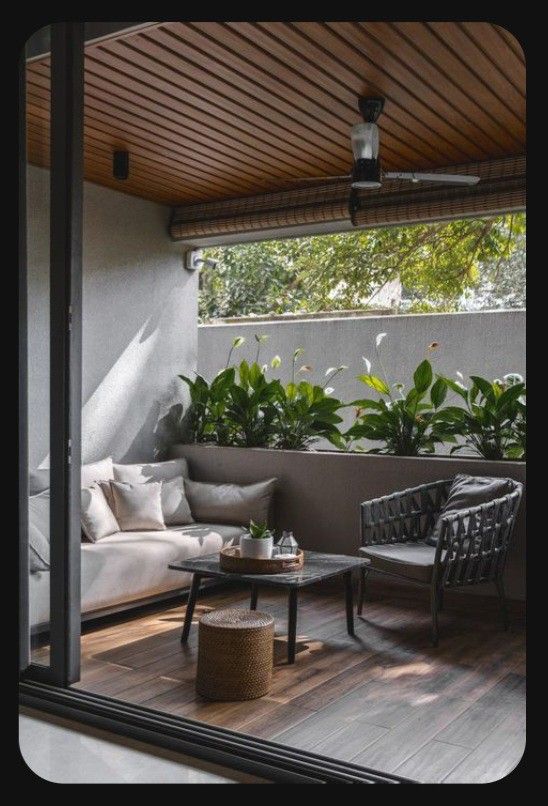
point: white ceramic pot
(260, 548)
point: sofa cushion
(466, 492)
(130, 566)
(98, 519)
(38, 480)
(230, 503)
(410, 560)
(151, 471)
(175, 506)
(138, 506)
(39, 507)
(96, 471)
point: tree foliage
(437, 264)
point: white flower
(367, 363)
(378, 340)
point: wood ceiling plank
(156, 106)
(142, 174)
(238, 122)
(427, 122)
(125, 138)
(430, 42)
(511, 41)
(318, 84)
(364, 78)
(489, 39)
(422, 78)
(274, 99)
(212, 110)
(488, 70)
(173, 132)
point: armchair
(471, 548)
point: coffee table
(317, 567)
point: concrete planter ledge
(319, 492)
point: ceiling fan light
(366, 174)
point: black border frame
(274, 762)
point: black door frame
(66, 187)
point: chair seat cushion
(410, 560)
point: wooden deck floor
(385, 699)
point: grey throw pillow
(98, 520)
(175, 506)
(230, 503)
(138, 507)
(466, 492)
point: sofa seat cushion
(410, 560)
(128, 566)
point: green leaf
(438, 393)
(455, 386)
(422, 376)
(375, 383)
(485, 387)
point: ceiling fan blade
(449, 179)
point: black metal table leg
(349, 595)
(254, 597)
(292, 625)
(192, 596)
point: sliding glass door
(50, 214)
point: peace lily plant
(243, 406)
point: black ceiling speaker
(120, 164)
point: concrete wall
(484, 343)
(139, 322)
(318, 494)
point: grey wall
(139, 322)
(318, 494)
(485, 343)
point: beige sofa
(130, 568)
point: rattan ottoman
(235, 655)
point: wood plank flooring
(385, 699)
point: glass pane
(38, 286)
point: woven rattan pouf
(235, 655)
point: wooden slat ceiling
(217, 110)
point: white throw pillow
(98, 519)
(97, 471)
(150, 471)
(138, 506)
(175, 506)
(39, 506)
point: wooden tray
(230, 560)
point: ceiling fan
(366, 172)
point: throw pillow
(39, 506)
(98, 520)
(150, 471)
(96, 471)
(175, 506)
(466, 492)
(138, 506)
(230, 503)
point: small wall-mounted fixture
(120, 164)
(194, 259)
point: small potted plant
(258, 542)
